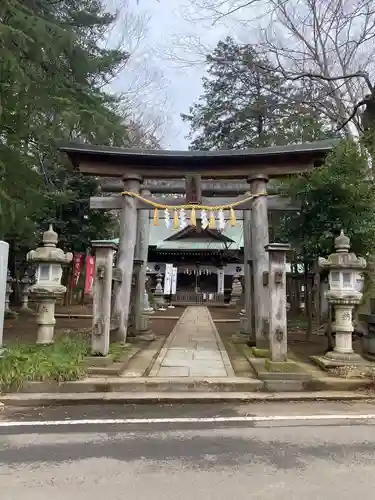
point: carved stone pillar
(278, 334)
(102, 289)
(125, 256)
(259, 240)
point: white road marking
(184, 420)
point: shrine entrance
(137, 173)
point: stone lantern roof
(342, 243)
(49, 253)
(342, 258)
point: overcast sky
(174, 88)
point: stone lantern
(47, 287)
(25, 288)
(159, 293)
(236, 289)
(345, 281)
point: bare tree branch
(359, 74)
(333, 45)
(352, 115)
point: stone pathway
(193, 349)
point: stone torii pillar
(125, 256)
(259, 240)
(141, 253)
(246, 324)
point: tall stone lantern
(47, 287)
(344, 293)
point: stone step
(123, 398)
(145, 384)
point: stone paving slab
(174, 371)
(193, 349)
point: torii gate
(256, 166)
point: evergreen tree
(53, 71)
(245, 104)
(339, 195)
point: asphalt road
(294, 458)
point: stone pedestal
(259, 241)
(278, 334)
(342, 353)
(102, 293)
(45, 318)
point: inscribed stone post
(102, 290)
(259, 240)
(4, 252)
(278, 334)
(125, 256)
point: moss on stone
(281, 366)
(260, 353)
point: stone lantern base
(329, 360)
(45, 320)
(45, 313)
(342, 354)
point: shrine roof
(158, 235)
(274, 161)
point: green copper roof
(160, 233)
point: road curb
(118, 398)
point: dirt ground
(23, 329)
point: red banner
(78, 259)
(90, 269)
